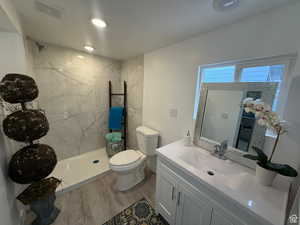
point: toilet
(129, 165)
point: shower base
(80, 170)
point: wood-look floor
(96, 202)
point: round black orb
(32, 163)
(18, 88)
(26, 125)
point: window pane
(262, 73)
(255, 74)
(218, 74)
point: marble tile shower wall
(74, 93)
(133, 73)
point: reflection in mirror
(222, 117)
(247, 124)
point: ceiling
(134, 26)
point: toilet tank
(147, 139)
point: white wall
(170, 73)
(8, 208)
(12, 60)
(12, 55)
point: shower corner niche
(33, 163)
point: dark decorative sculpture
(44, 208)
(38, 190)
(18, 88)
(34, 162)
(26, 125)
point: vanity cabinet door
(166, 192)
(220, 217)
(192, 207)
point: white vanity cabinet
(167, 195)
(195, 188)
(180, 203)
(192, 207)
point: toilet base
(128, 179)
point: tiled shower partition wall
(74, 94)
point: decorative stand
(34, 162)
(45, 210)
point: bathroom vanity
(196, 188)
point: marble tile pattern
(132, 71)
(96, 202)
(74, 94)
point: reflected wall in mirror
(221, 115)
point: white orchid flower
(267, 108)
(262, 122)
(247, 110)
(264, 114)
(259, 106)
(258, 114)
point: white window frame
(286, 60)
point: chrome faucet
(220, 150)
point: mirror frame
(208, 144)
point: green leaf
(263, 158)
(252, 157)
(282, 169)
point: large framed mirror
(221, 115)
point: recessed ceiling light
(89, 48)
(98, 22)
(223, 5)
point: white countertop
(233, 180)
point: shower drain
(96, 161)
(211, 173)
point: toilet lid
(125, 157)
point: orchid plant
(266, 117)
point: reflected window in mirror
(273, 73)
(247, 124)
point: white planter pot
(264, 176)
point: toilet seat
(126, 160)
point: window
(271, 69)
(242, 72)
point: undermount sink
(205, 162)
